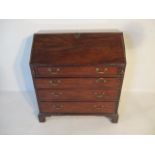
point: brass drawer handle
(53, 71)
(99, 107)
(56, 94)
(101, 72)
(54, 82)
(100, 95)
(101, 80)
(58, 106)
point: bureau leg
(41, 117)
(114, 118)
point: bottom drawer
(77, 107)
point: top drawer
(85, 71)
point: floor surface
(18, 115)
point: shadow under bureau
(78, 73)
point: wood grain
(78, 83)
(77, 95)
(78, 73)
(87, 49)
(84, 71)
(78, 107)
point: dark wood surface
(78, 83)
(85, 71)
(78, 73)
(78, 107)
(78, 95)
(72, 49)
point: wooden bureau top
(74, 49)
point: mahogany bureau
(78, 73)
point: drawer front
(78, 71)
(78, 107)
(78, 95)
(71, 83)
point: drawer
(84, 71)
(77, 95)
(77, 107)
(71, 83)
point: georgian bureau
(78, 73)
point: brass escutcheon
(77, 35)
